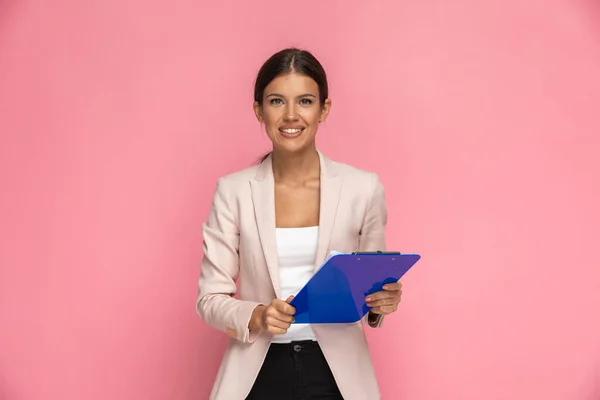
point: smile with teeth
(297, 130)
(291, 131)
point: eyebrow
(302, 95)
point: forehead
(292, 85)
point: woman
(270, 227)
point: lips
(291, 131)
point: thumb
(289, 299)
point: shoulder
(227, 185)
(237, 177)
(357, 176)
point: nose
(290, 112)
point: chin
(295, 147)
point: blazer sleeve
(372, 234)
(219, 270)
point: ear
(325, 110)
(258, 112)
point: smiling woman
(270, 227)
(291, 98)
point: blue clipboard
(336, 292)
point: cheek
(271, 118)
(311, 116)
(269, 124)
(267, 118)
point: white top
(297, 249)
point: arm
(219, 270)
(372, 234)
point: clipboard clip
(368, 253)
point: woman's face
(291, 112)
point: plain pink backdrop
(482, 119)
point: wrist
(255, 322)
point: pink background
(481, 117)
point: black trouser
(295, 371)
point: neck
(296, 167)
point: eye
(276, 102)
(306, 102)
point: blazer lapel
(331, 187)
(263, 197)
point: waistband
(302, 347)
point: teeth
(292, 131)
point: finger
(384, 310)
(393, 286)
(284, 307)
(277, 323)
(287, 318)
(376, 310)
(384, 294)
(384, 297)
(289, 299)
(384, 302)
(276, 331)
(278, 315)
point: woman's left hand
(386, 301)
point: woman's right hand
(275, 318)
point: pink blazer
(239, 245)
